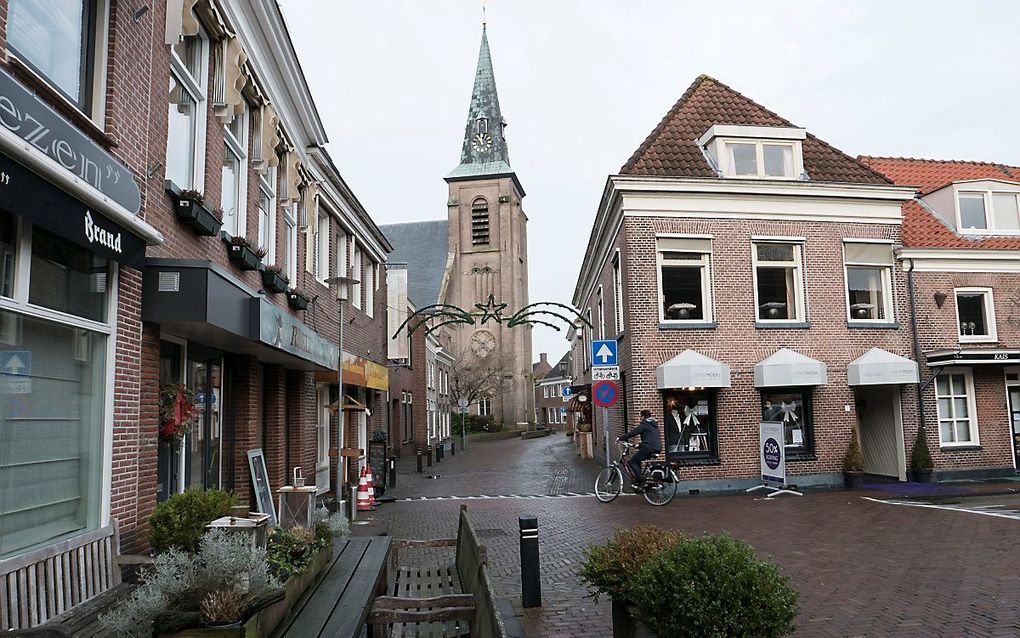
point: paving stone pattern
(863, 568)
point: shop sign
(772, 454)
(974, 356)
(367, 374)
(283, 331)
(35, 122)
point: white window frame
(290, 222)
(601, 306)
(267, 189)
(586, 339)
(322, 245)
(887, 286)
(372, 269)
(798, 278)
(972, 417)
(705, 263)
(989, 200)
(239, 149)
(729, 166)
(322, 428)
(197, 88)
(485, 406)
(618, 291)
(341, 254)
(988, 300)
(356, 289)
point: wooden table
(337, 606)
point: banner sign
(286, 332)
(772, 454)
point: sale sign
(772, 453)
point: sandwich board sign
(772, 456)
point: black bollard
(453, 448)
(419, 461)
(428, 455)
(440, 452)
(531, 582)
(393, 472)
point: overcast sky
(582, 82)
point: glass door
(203, 445)
(168, 469)
(1014, 418)
(322, 439)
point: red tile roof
(671, 149)
(921, 228)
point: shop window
(868, 282)
(975, 313)
(792, 408)
(691, 425)
(954, 393)
(8, 252)
(684, 279)
(67, 277)
(185, 147)
(779, 294)
(51, 435)
(57, 40)
(234, 188)
(267, 213)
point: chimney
(544, 358)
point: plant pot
(274, 281)
(244, 257)
(853, 480)
(197, 217)
(923, 475)
(584, 427)
(297, 301)
(625, 625)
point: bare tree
(474, 378)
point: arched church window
(482, 125)
(479, 221)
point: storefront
(365, 386)
(877, 377)
(689, 384)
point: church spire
(484, 151)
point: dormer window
(989, 211)
(482, 125)
(755, 152)
(760, 159)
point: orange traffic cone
(364, 502)
(371, 487)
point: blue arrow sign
(566, 392)
(16, 363)
(603, 353)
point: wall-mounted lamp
(940, 298)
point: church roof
(423, 247)
(484, 151)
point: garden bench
(440, 600)
(64, 585)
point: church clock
(481, 142)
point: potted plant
(193, 213)
(298, 299)
(273, 278)
(243, 254)
(920, 459)
(853, 463)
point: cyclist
(651, 445)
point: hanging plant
(177, 412)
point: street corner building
(173, 235)
(752, 272)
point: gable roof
(671, 149)
(423, 246)
(921, 228)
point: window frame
(290, 225)
(601, 307)
(357, 266)
(371, 269)
(972, 416)
(618, 292)
(198, 89)
(268, 185)
(806, 450)
(707, 298)
(697, 457)
(988, 197)
(321, 248)
(239, 148)
(729, 165)
(988, 301)
(799, 294)
(887, 285)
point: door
(1014, 419)
(881, 430)
(203, 449)
(322, 438)
(362, 425)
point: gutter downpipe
(917, 346)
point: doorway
(880, 422)
(203, 446)
(322, 412)
(1013, 406)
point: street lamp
(343, 293)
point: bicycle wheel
(661, 492)
(608, 484)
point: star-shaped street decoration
(491, 310)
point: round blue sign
(772, 453)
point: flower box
(197, 217)
(297, 300)
(244, 256)
(274, 281)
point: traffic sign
(605, 393)
(462, 403)
(603, 353)
(607, 373)
(566, 392)
(16, 363)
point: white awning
(691, 369)
(787, 368)
(879, 367)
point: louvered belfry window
(479, 222)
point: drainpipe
(917, 345)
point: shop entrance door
(322, 438)
(1013, 394)
(881, 429)
(203, 446)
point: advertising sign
(772, 454)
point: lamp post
(343, 293)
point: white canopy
(879, 367)
(691, 369)
(788, 368)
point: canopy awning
(789, 368)
(879, 367)
(691, 369)
(977, 356)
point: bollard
(531, 582)
(453, 448)
(428, 455)
(354, 503)
(419, 461)
(440, 452)
(393, 472)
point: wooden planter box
(274, 281)
(196, 217)
(244, 256)
(262, 624)
(297, 300)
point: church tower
(488, 243)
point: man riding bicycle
(651, 444)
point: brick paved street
(863, 568)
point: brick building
(747, 269)
(550, 403)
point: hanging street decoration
(542, 313)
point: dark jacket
(649, 431)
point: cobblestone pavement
(862, 567)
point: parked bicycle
(660, 479)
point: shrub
(336, 524)
(223, 606)
(292, 551)
(607, 568)
(716, 587)
(180, 521)
(920, 456)
(854, 461)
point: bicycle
(660, 478)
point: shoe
(637, 487)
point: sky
(582, 82)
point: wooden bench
(337, 605)
(61, 584)
(440, 600)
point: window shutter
(684, 244)
(861, 253)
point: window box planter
(244, 256)
(193, 213)
(274, 281)
(298, 300)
